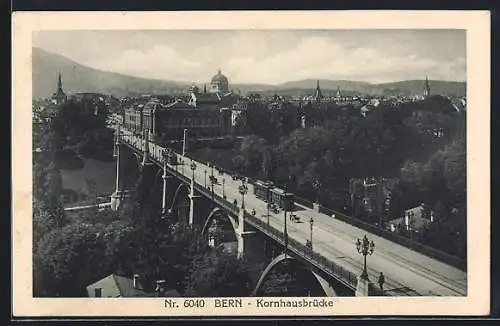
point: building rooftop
(114, 286)
(418, 217)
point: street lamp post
(212, 182)
(365, 247)
(223, 183)
(317, 187)
(205, 178)
(311, 222)
(243, 190)
(268, 207)
(285, 231)
(193, 167)
(164, 154)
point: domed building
(219, 83)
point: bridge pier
(145, 157)
(240, 232)
(364, 287)
(192, 199)
(316, 207)
(165, 178)
(116, 197)
(251, 247)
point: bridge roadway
(334, 239)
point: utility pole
(380, 201)
(285, 227)
(184, 142)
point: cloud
(160, 61)
(316, 57)
(267, 56)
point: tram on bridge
(261, 190)
(282, 199)
(277, 197)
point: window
(98, 292)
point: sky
(266, 56)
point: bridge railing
(318, 260)
(304, 202)
(321, 262)
(406, 242)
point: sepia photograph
(251, 168)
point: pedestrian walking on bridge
(381, 281)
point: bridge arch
(129, 167)
(324, 285)
(181, 187)
(138, 161)
(181, 193)
(217, 212)
(158, 176)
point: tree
(167, 252)
(47, 182)
(267, 162)
(219, 274)
(122, 251)
(46, 219)
(454, 169)
(80, 123)
(69, 259)
(290, 279)
(411, 172)
(249, 158)
(278, 284)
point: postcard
(264, 163)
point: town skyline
(266, 57)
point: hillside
(408, 87)
(79, 78)
(325, 84)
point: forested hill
(79, 78)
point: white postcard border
(477, 25)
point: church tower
(427, 87)
(317, 94)
(339, 94)
(59, 96)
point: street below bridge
(335, 239)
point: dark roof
(207, 98)
(117, 286)
(178, 105)
(172, 293)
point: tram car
(282, 199)
(262, 190)
(172, 158)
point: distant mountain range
(79, 78)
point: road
(336, 239)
